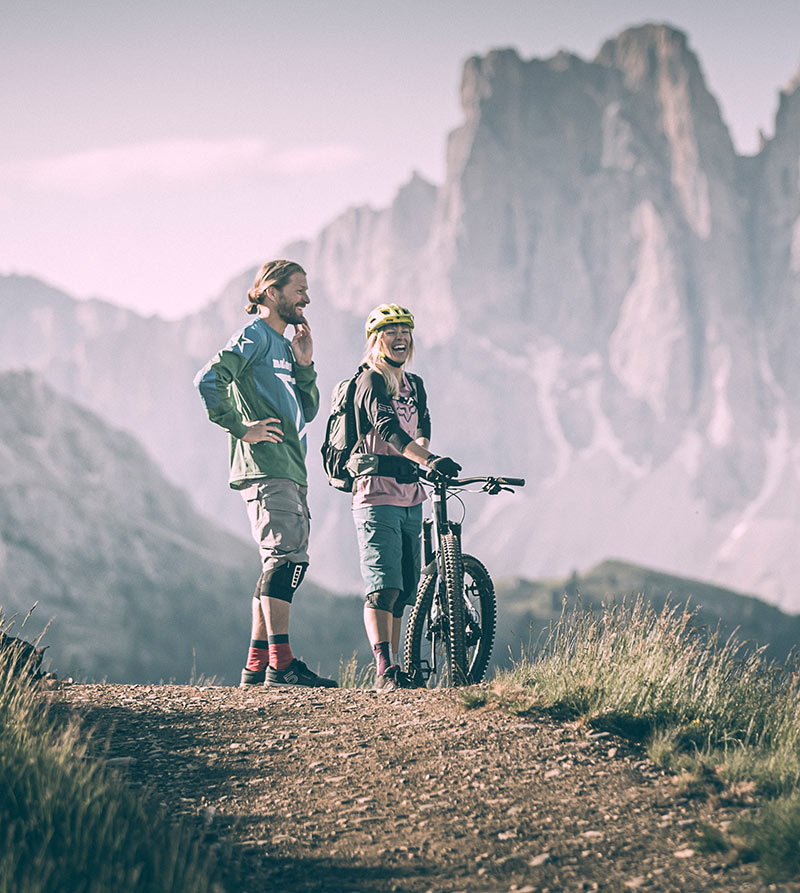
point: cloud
(98, 172)
(316, 159)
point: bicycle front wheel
(425, 648)
(480, 603)
(456, 638)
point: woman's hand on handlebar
(443, 465)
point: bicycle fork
(432, 529)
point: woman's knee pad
(280, 582)
(400, 605)
(382, 600)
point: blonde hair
(376, 361)
(274, 273)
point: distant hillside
(526, 607)
(139, 586)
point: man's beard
(290, 313)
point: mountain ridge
(529, 607)
(139, 587)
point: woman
(394, 430)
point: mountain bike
(450, 631)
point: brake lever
(493, 487)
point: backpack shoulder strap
(418, 389)
(351, 408)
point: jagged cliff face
(775, 237)
(619, 233)
(608, 301)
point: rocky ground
(351, 790)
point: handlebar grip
(512, 482)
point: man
(261, 388)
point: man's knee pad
(280, 582)
(382, 600)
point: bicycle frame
(432, 530)
(436, 525)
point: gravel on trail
(354, 790)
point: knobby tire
(419, 624)
(455, 640)
(424, 640)
(481, 617)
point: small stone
(539, 860)
(684, 854)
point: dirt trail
(349, 790)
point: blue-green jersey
(255, 376)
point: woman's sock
(382, 659)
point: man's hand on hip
(268, 430)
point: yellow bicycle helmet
(388, 315)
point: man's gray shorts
(279, 521)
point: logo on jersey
(405, 408)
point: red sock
(257, 656)
(280, 654)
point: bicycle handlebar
(511, 482)
(463, 482)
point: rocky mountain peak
(792, 85)
(481, 72)
(789, 105)
(648, 53)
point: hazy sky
(153, 150)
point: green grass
(713, 710)
(69, 823)
(773, 838)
